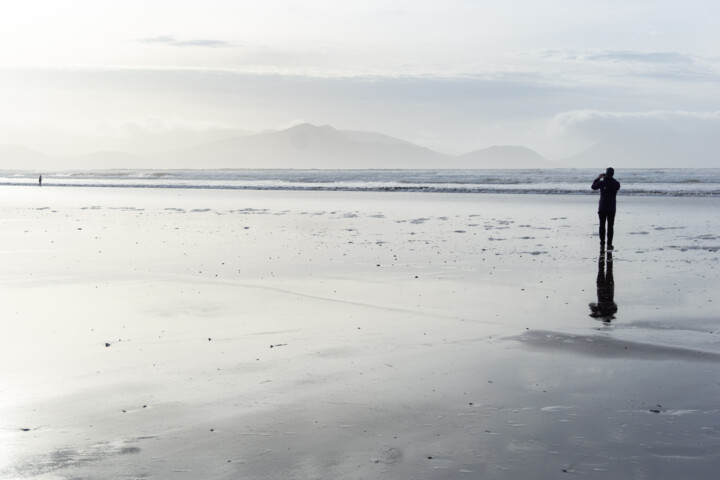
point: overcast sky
(556, 76)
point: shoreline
(654, 182)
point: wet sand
(170, 334)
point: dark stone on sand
(107, 344)
(654, 410)
(25, 429)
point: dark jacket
(608, 187)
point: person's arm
(596, 184)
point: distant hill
(310, 146)
(657, 152)
(142, 142)
(15, 157)
(607, 153)
(301, 147)
(305, 146)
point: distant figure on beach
(605, 308)
(40, 181)
(608, 186)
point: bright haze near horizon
(632, 82)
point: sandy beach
(172, 334)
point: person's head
(610, 172)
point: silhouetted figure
(605, 308)
(608, 186)
(40, 181)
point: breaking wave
(666, 182)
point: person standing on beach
(40, 181)
(608, 186)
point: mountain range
(324, 147)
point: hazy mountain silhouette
(14, 157)
(139, 141)
(658, 151)
(310, 146)
(324, 147)
(301, 146)
(305, 146)
(625, 154)
(18, 157)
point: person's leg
(610, 228)
(602, 216)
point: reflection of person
(608, 186)
(605, 308)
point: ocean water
(669, 182)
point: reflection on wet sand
(605, 308)
(605, 346)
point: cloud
(629, 69)
(158, 126)
(670, 130)
(172, 41)
(201, 43)
(642, 139)
(158, 39)
(620, 56)
(658, 58)
(601, 123)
